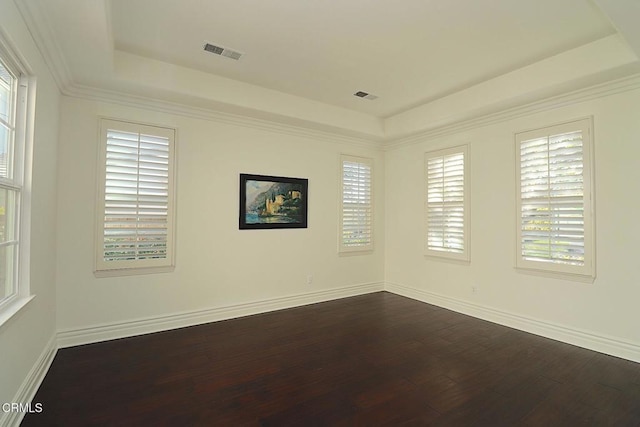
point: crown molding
(340, 136)
(42, 33)
(326, 133)
(581, 95)
(274, 123)
(43, 36)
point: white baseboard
(580, 338)
(30, 385)
(73, 337)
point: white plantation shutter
(136, 206)
(446, 203)
(554, 198)
(356, 218)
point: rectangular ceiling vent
(365, 95)
(222, 51)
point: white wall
(24, 338)
(217, 265)
(220, 266)
(607, 309)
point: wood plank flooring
(377, 359)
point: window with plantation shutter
(136, 198)
(446, 204)
(356, 208)
(555, 226)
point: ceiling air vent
(222, 51)
(365, 95)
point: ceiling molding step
(601, 90)
(41, 31)
(137, 101)
(387, 144)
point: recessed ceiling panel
(407, 53)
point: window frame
(555, 268)
(465, 255)
(104, 268)
(356, 249)
(23, 112)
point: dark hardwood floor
(377, 359)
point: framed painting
(272, 202)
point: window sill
(446, 258)
(355, 252)
(583, 278)
(133, 271)
(13, 307)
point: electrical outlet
(309, 279)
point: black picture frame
(272, 202)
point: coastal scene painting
(272, 202)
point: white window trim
(136, 267)
(465, 256)
(342, 248)
(24, 133)
(587, 272)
